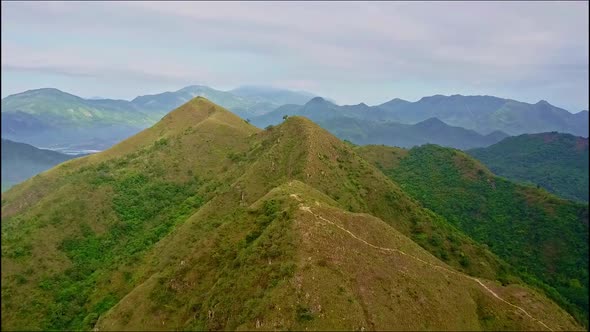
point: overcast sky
(350, 52)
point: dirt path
(486, 288)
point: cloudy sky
(349, 51)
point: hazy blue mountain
(245, 101)
(169, 100)
(56, 108)
(433, 131)
(554, 161)
(50, 117)
(355, 123)
(21, 161)
(55, 119)
(21, 123)
(394, 104)
(486, 114)
(273, 95)
(317, 109)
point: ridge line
(308, 209)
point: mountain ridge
(193, 225)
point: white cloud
(325, 44)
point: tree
(285, 117)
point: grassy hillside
(205, 222)
(545, 237)
(557, 162)
(21, 161)
(293, 260)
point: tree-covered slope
(542, 235)
(21, 161)
(557, 162)
(205, 222)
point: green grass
(195, 224)
(147, 209)
(543, 237)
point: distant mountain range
(361, 125)
(483, 114)
(55, 119)
(556, 162)
(432, 130)
(21, 161)
(486, 114)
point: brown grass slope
(315, 266)
(191, 225)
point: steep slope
(21, 161)
(76, 225)
(294, 260)
(195, 223)
(554, 161)
(544, 236)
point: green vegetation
(543, 237)
(554, 161)
(146, 210)
(203, 222)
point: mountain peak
(432, 98)
(193, 88)
(397, 100)
(432, 121)
(198, 115)
(316, 100)
(194, 111)
(45, 92)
